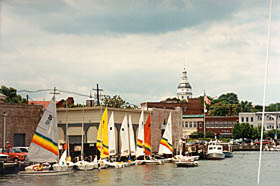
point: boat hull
(228, 154)
(44, 173)
(215, 156)
(187, 164)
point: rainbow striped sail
(165, 146)
(44, 145)
(147, 136)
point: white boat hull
(44, 173)
(215, 156)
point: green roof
(193, 116)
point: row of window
(190, 124)
(220, 124)
(247, 119)
(211, 124)
(271, 125)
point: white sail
(44, 145)
(131, 137)
(111, 135)
(140, 137)
(62, 160)
(124, 137)
(165, 146)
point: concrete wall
(21, 119)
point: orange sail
(147, 136)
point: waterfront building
(220, 125)
(20, 120)
(70, 126)
(271, 119)
(184, 89)
(193, 106)
(191, 123)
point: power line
(47, 90)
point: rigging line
(35, 91)
(70, 92)
(264, 90)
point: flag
(207, 100)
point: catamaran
(44, 145)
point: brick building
(221, 125)
(21, 122)
(193, 106)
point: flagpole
(204, 106)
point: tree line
(229, 104)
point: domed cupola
(184, 89)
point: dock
(11, 167)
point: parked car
(15, 155)
(22, 149)
(4, 157)
(263, 142)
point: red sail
(147, 136)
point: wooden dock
(11, 167)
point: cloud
(223, 52)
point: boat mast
(82, 150)
(264, 90)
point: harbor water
(241, 170)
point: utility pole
(98, 90)
(276, 127)
(4, 129)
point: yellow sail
(102, 136)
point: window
(185, 109)
(216, 124)
(190, 125)
(225, 124)
(247, 119)
(259, 117)
(207, 124)
(186, 124)
(242, 119)
(200, 125)
(230, 124)
(19, 140)
(252, 119)
(194, 124)
(221, 124)
(211, 124)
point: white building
(184, 89)
(271, 120)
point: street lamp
(4, 128)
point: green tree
(210, 134)
(117, 102)
(12, 96)
(246, 106)
(242, 130)
(230, 98)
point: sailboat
(140, 140)
(63, 164)
(84, 165)
(131, 137)
(147, 143)
(102, 139)
(112, 143)
(165, 146)
(44, 145)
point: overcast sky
(138, 49)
